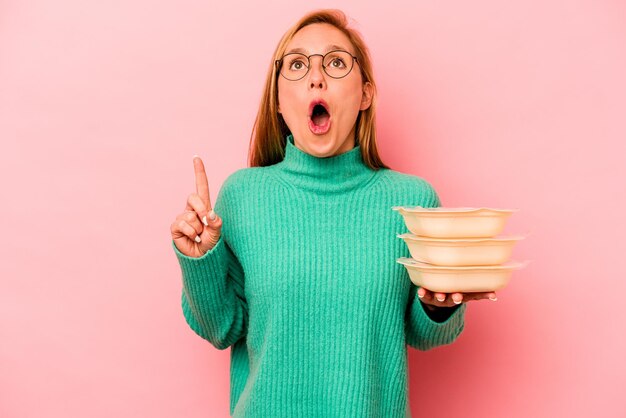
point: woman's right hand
(198, 228)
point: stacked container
(457, 249)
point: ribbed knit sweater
(304, 286)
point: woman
(295, 268)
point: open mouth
(319, 117)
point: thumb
(212, 230)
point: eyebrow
(328, 48)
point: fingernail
(442, 299)
(458, 301)
(493, 299)
(212, 215)
(197, 239)
(204, 221)
(195, 155)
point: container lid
(418, 265)
(413, 237)
(444, 210)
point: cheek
(352, 100)
(286, 99)
(288, 102)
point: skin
(433, 300)
(197, 230)
(345, 96)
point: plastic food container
(454, 222)
(460, 279)
(460, 251)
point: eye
(296, 65)
(337, 63)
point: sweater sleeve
(424, 333)
(212, 296)
(422, 330)
(213, 300)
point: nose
(316, 73)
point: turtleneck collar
(336, 174)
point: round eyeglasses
(336, 64)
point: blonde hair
(268, 139)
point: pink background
(501, 104)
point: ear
(366, 99)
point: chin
(320, 146)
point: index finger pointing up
(202, 184)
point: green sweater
(303, 285)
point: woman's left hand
(446, 300)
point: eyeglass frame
(308, 68)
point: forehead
(319, 38)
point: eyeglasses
(336, 64)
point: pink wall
(103, 104)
